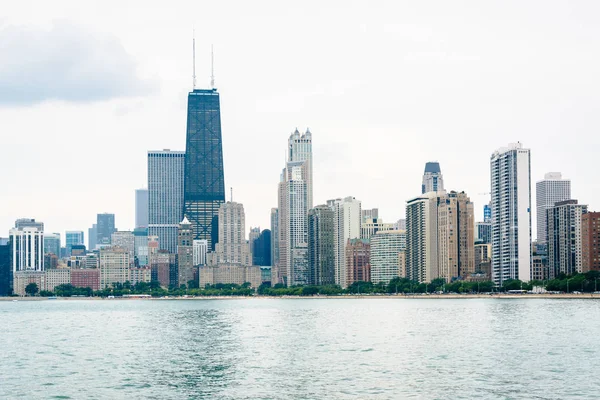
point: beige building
(57, 277)
(385, 260)
(114, 266)
(232, 248)
(23, 278)
(456, 253)
(402, 264)
(230, 274)
(124, 239)
(142, 274)
(185, 253)
(371, 226)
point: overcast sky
(87, 88)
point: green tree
(32, 289)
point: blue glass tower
(204, 182)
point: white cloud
(67, 62)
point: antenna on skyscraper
(231, 196)
(194, 57)
(212, 67)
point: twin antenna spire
(212, 63)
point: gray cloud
(67, 62)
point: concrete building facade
(385, 249)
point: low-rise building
(23, 278)
(141, 274)
(86, 277)
(230, 274)
(57, 277)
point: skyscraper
(422, 238)
(261, 249)
(590, 238)
(5, 269)
(141, 208)
(549, 191)
(73, 238)
(294, 201)
(27, 248)
(274, 243)
(92, 237)
(52, 244)
(105, 227)
(564, 237)
(321, 255)
(487, 213)
(358, 256)
(346, 225)
(185, 253)
(483, 232)
(165, 196)
(432, 178)
(125, 240)
(511, 213)
(204, 182)
(29, 223)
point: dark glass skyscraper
(204, 182)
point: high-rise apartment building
(204, 182)
(141, 208)
(232, 248)
(358, 261)
(274, 242)
(370, 226)
(590, 246)
(185, 253)
(300, 151)
(432, 178)
(5, 268)
(52, 243)
(321, 255)
(346, 225)
(456, 238)
(165, 196)
(369, 214)
(105, 227)
(552, 189)
(483, 232)
(200, 250)
(511, 213)
(384, 258)
(73, 238)
(564, 237)
(421, 238)
(27, 248)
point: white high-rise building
(346, 225)
(511, 213)
(165, 196)
(552, 189)
(386, 247)
(294, 201)
(27, 248)
(433, 180)
(200, 250)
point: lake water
(300, 349)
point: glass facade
(204, 182)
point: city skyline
(339, 137)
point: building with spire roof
(432, 178)
(185, 253)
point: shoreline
(387, 296)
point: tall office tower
(105, 227)
(125, 240)
(321, 254)
(261, 249)
(114, 266)
(590, 238)
(73, 238)
(27, 248)
(422, 238)
(253, 236)
(200, 250)
(5, 268)
(549, 191)
(456, 239)
(92, 237)
(29, 223)
(358, 261)
(483, 232)
(511, 213)
(370, 214)
(564, 237)
(140, 246)
(141, 208)
(165, 196)
(52, 243)
(185, 252)
(386, 247)
(370, 226)
(232, 248)
(346, 225)
(204, 182)
(432, 178)
(274, 242)
(300, 150)
(487, 213)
